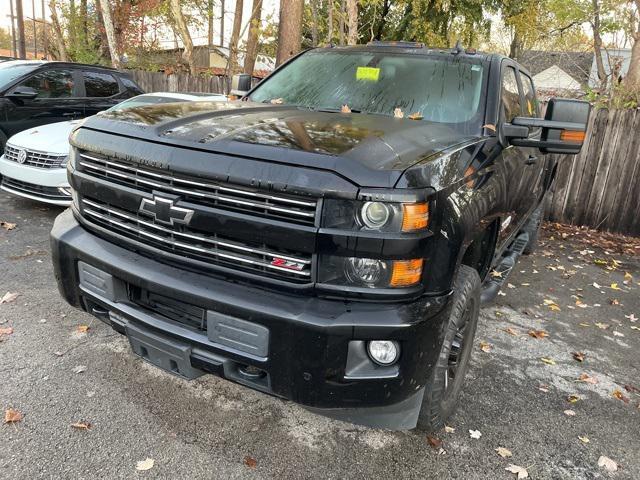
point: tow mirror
(564, 127)
(22, 92)
(240, 84)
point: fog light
(365, 270)
(383, 352)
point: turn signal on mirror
(572, 136)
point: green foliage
(5, 39)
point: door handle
(532, 160)
(70, 114)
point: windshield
(143, 100)
(432, 88)
(11, 71)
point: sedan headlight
(375, 215)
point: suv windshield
(13, 70)
(436, 88)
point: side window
(510, 95)
(530, 101)
(131, 86)
(98, 84)
(51, 83)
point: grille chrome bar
(35, 158)
(221, 249)
(134, 176)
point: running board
(496, 278)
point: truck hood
(368, 150)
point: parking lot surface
(577, 298)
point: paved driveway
(210, 428)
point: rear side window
(131, 85)
(53, 83)
(530, 101)
(100, 84)
(511, 95)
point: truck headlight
(369, 272)
(375, 215)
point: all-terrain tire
(533, 227)
(440, 397)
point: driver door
(58, 100)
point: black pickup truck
(327, 239)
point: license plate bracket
(162, 351)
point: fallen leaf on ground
(8, 297)
(12, 416)
(81, 425)
(475, 434)
(276, 101)
(398, 113)
(602, 326)
(614, 286)
(573, 398)
(543, 388)
(583, 439)
(631, 389)
(539, 334)
(485, 347)
(415, 116)
(7, 225)
(631, 317)
(5, 331)
(345, 109)
(620, 396)
(495, 274)
(579, 356)
(607, 463)
(511, 331)
(146, 464)
(250, 462)
(519, 471)
(83, 328)
(434, 441)
(503, 452)
(586, 378)
(449, 429)
(80, 369)
(548, 361)
(570, 413)
(618, 334)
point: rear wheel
(444, 385)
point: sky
(199, 37)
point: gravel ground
(211, 428)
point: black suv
(36, 92)
(330, 238)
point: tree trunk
(57, 30)
(222, 23)
(210, 22)
(632, 80)
(22, 49)
(597, 46)
(111, 35)
(252, 39)
(314, 22)
(83, 18)
(183, 32)
(352, 15)
(341, 17)
(235, 37)
(383, 20)
(290, 29)
(516, 45)
(330, 22)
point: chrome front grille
(211, 248)
(201, 192)
(46, 193)
(34, 158)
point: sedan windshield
(432, 88)
(13, 70)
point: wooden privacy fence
(176, 82)
(600, 187)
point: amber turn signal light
(406, 272)
(572, 136)
(415, 216)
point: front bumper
(313, 352)
(41, 184)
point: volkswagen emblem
(22, 156)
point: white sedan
(34, 161)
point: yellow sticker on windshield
(368, 74)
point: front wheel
(445, 383)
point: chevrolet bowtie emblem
(164, 210)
